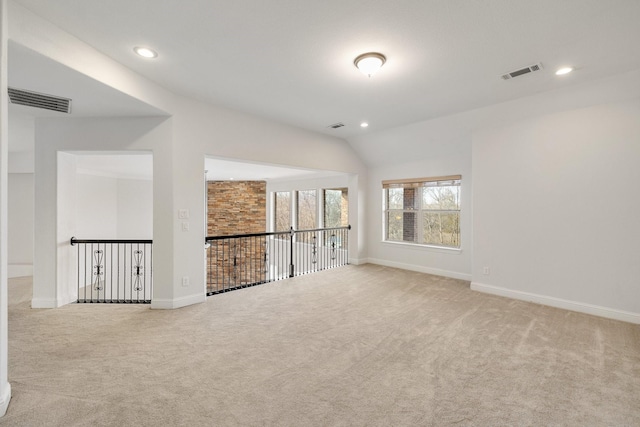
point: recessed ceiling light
(364, 124)
(370, 62)
(563, 71)
(145, 52)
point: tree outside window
(282, 210)
(307, 209)
(336, 207)
(423, 211)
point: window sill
(418, 246)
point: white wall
(437, 158)
(96, 207)
(21, 194)
(20, 233)
(21, 142)
(135, 209)
(179, 147)
(66, 210)
(5, 387)
(527, 257)
(178, 182)
(202, 130)
(113, 208)
(556, 202)
(53, 216)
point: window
(423, 211)
(310, 209)
(282, 210)
(307, 210)
(336, 207)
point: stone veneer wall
(235, 207)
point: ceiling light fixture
(369, 62)
(145, 52)
(364, 124)
(563, 71)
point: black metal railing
(114, 271)
(243, 260)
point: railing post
(310, 253)
(291, 266)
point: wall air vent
(336, 125)
(39, 100)
(522, 71)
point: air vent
(39, 100)
(336, 125)
(522, 71)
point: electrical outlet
(185, 281)
(486, 271)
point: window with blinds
(423, 211)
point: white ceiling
(89, 98)
(140, 166)
(292, 60)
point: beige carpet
(358, 345)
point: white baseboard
(357, 261)
(5, 397)
(419, 268)
(19, 270)
(580, 307)
(52, 302)
(44, 303)
(170, 304)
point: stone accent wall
(409, 225)
(344, 208)
(235, 207)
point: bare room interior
(319, 213)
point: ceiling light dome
(370, 62)
(564, 70)
(145, 52)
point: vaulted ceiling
(292, 60)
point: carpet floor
(358, 345)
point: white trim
(170, 304)
(66, 299)
(114, 175)
(609, 313)
(420, 246)
(421, 269)
(19, 270)
(5, 397)
(357, 261)
(44, 303)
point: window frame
(418, 210)
(275, 210)
(313, 211)
(319, 211)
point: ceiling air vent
(336, 125)
(522, 71)
(39, 100)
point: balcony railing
(121, 271)
(243, 260)
(114, 271)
